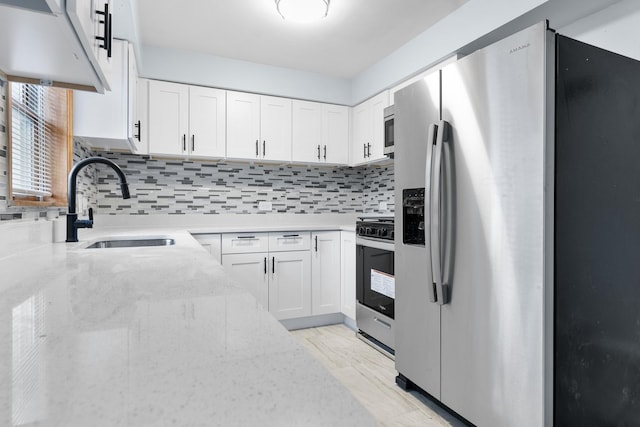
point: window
(40, 144)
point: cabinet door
(275, 128)
(243, 125)
(290, 284)
(362, 133)
(141, 119)
(207, 127)
(132, 92)
(89, 24)
(378, 104)
(102, 117)
(325, 277)
(168, 118)
(250, 271)
(307, 132)
(335, 134)
(348, 273)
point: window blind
(35, 110)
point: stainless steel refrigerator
(519, 167)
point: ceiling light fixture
(303, 10)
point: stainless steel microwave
(388, 130)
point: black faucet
(73, 223)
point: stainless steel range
(375, 282)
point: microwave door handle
(431, 139)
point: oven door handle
(438, 217)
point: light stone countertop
(150, 336)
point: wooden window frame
(62, 159)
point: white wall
(616, 28)
(225, 73)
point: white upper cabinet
(207, 124)
(243, 125)
(52, 42)
(140, 127)
(186, 120)
(335, 134)
(168, 118)
(307, 132)
(258, 127)
(106, 121)
(93, 22)
(320, 133)
(368, 130)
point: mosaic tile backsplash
(193, 187)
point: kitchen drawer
(290, 241)
(238, 243)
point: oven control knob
(382, 232)
(368, 231)
(360, 231)
(391, 234)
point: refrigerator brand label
(383, 283)
(519, 48)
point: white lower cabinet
(292, 274)
(251, 272)
(325, 279)
(348, 273)
(274, 267)
(290, 285)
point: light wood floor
(370, 376)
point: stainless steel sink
(131, 243)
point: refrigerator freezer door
(417, 319)
(492, 327)
(597, 224)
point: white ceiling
(355, 35)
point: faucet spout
(73, 223)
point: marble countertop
(150, 337)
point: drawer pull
(290, 235)
(382, 322)
(246, 237)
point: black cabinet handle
(246, 237)
(110, 35)
(264, 145)
(316, 243)
(257, 148)
(184, 142)
(193, 143)
(137, 126)
(318, 151)
(265, 265)
(290, 235)
(368, 149)
(273, 265)
(325, 152)
(105, 21)
(364, 146)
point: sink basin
(131, 243)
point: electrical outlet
(382, 206)
(264, 206)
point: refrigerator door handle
(436, 214)
(431, 141)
